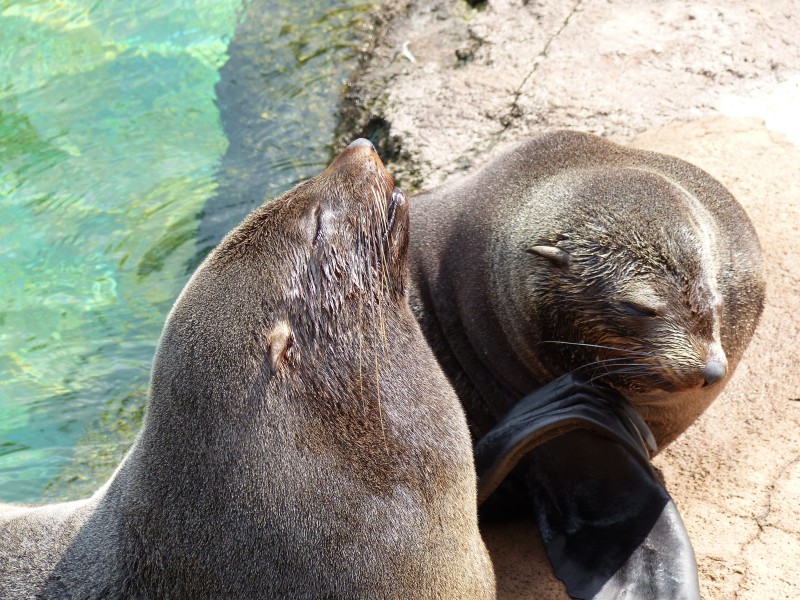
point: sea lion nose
(361, 142)
(714, 372)
(360, 156)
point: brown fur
(571, 253)
(300, 440)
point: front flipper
(562, 405)
(608, 525)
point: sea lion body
(300, 440)
(572, 262)
(563, 241)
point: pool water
(132, 137)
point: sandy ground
(717, 84)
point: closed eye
(639, 310)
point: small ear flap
(557, 256)
(280, 343)
(313, 221)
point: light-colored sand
(717, 84)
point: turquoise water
(132, 135)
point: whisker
(361, 353)
(631, 367)
(637, 373)
(597, 363)
(606, 361)
(636, 352)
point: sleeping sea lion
(300, 440)
(576, 258)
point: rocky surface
(716, 83)
(449, 83)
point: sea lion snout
(361, 142)
(358, 161)
(355, 223)
(714, 372)
(716, 367)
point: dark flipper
(608, 525)
(554, 409)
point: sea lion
(300, 440)
(630, 269)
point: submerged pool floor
(132, 136)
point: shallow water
(132, 136)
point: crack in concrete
(513, 111)
(760, 521)
(507, 118)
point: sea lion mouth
(644, 376)
(626, 370)
(653, 383)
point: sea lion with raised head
(300, 440)
(575, 258)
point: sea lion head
(332, 247)
(297, 297)
(290, 320)
(629, 285)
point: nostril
(361, 142)
(714, 372)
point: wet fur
(300, 440)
